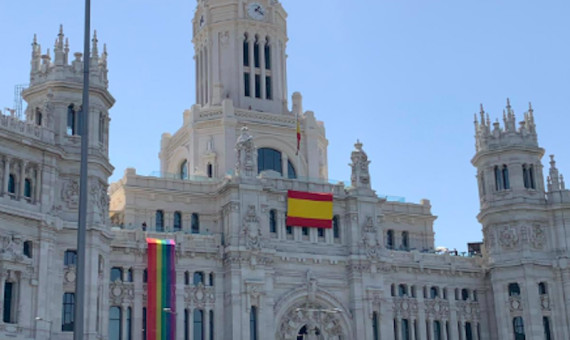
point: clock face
(256, 11)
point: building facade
(241, 272)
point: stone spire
(94, 50)
(555, 180)
(36, 55)
(60, 56)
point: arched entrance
(312, 321)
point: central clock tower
(240, 54)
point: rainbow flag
(309, 209)
(161, 288)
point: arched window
(129, 323)
(253, 323)
(101, 132)
(71, 121)
(468, 331)
(405, 241)
(336, 227)
(256, 52)
(198, 278)
(518, 328)
(159, 220)
(195, 223)
(116, 274)
(27, 188)
(187, 278)
(546, 326)
(211, 325)
(211, 277)
(267, 50)
(177, 225)
(434, 292)
(375, 326)
(245, 50)
(514, 289)
(184, 170)
(436, 330)
(70, 257)
(198, 324)
(67, 312)
(272, 221)
(464, 294)
(402, 290)
(38, 117)
(528, 176)
(12, 184)
(291, 173)
(390, 239)
(498, 179)
(115, 323)
(210, 169)
(269, 159)
(405, 329)
(506, 183)
(542, 288)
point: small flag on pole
(161, 288)
(309, 209)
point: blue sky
(405, 77)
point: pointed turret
(94, 50)
(553, 176)
(36, 55)
(60, 57)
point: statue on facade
(360, 177)
(246, 163)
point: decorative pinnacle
(35, 41)
(95, 50)
(60, 30)
(508, 104)
(358, 145)
(482, 112)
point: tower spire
(58, 49)
(94, 48)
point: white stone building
(241, 272)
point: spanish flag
(309, 209)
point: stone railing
(26, 129)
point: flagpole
(79, 315)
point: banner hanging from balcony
(161, 288)
(309, 209)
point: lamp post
(79, 316)
(39, 318)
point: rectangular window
(267, 57)
(305, 231)
(321, 232)
(144, 324)
(70, 258)
(211, 325)
(246, 88)
(289, 230)
(28, 248)
(268, 88)
(256, 54)
(257, 86)
(198, 278)
(186, 324)
(9, 291)
(198, 324)
(67, 312)
(253, 323)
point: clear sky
(405, 77)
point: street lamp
(39, 318)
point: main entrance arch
(314, 316)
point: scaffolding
(18, 107)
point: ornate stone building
(241, 272)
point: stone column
(421, 316)
(38, 185)
(206, 323)
(136, 315)
(429, 328)
(180, 305)
(190, 329)
(124, 330)
(398, 329)
(474, 330)
(284, 157)
(443, 329)
(463, 330)
(412, 325)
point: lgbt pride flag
(309, 209)
(161, 285)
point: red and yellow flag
(309, 209)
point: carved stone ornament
(437, 308)
(70, 193)
(537, 237)
(12, 248)
(246, 165)
(544, 303)
(371, 246)
(251, 230)
(515, 303)
(121, 292)
(469, 310)
(369, 225)
(405, 307)
(508, 237)
(317, 319)
(200, 295)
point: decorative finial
(94, 49)
(508, 103)
(60, 30)
(35, 42)
(530, 107)
(358, 145)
